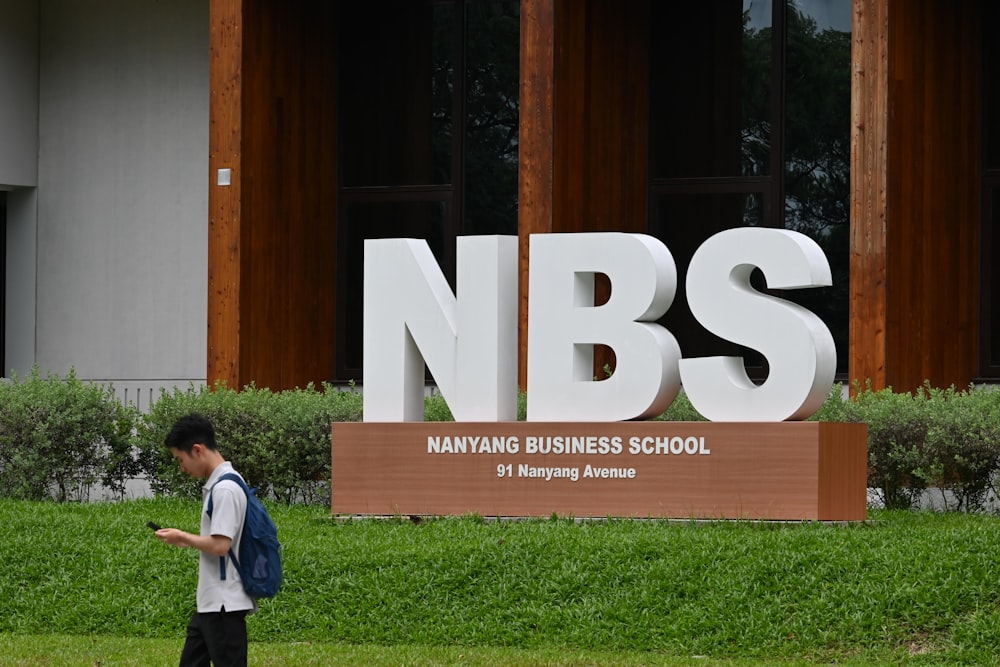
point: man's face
(191, 463)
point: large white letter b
(564, 325)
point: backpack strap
(243, 485)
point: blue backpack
(259, 562)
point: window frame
(770, 187)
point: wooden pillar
(915, 193)
(224, 237)
(536, 149)
(272, 231)
(584, 124)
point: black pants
(218, 638)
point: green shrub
(941, 439)
(279, 441)
(897, 435)
(59, 437)
(961, 445)
(935, 439)
(834, 408)
(436, 409)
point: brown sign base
(680, 470)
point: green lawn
(76, 651)
(88, 584)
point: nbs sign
(583, 450)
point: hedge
(61, 437)
(279, 441)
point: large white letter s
(798, 346)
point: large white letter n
(411, 317)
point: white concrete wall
(19, 174)
(122, 231)
(18, 93)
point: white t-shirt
(229, 509)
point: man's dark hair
(191, 430)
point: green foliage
(279, 441)
(834, 408)
(963, 444)
(941, 439)
(60, 437)
(436, 409)
(897, 443)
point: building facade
(103, 153)
(185, 187)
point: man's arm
(217, 545)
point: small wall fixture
(224, 177)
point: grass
(51, 650)
(88, 584)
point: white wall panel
(18, 92)
(123, 189)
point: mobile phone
(153, 525)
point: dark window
(750, 126)
(989, 357)
(428, 135)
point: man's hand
(217, 545)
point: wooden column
(536, 149)
(584, 124)
(224, 233)
(272, 232)
(915, 193)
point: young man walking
(217, 633)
